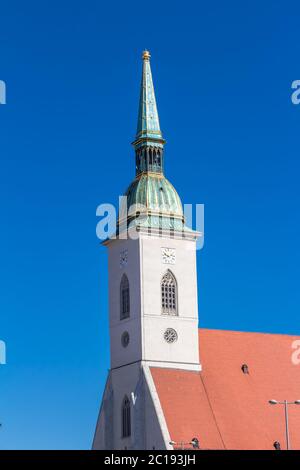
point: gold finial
(146, 55)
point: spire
(148, 121)
(149, 141)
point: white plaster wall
(99, 438)
(157, 434)
(124, 382)
(147, 420)
(184, 351)
(133, 352)
(154, 324)
(104, 433)
(146, 325)
(184, 270)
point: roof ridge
(250, 332)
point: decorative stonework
(170, 335)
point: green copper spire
(149, 141)
(151, 201)
(148, 121)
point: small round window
(125, 339)
(170, 335)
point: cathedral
(172, 385)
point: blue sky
(223, 74)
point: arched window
(124, 298)
(169, 294)
(159, 160)
(126, 418)
(150, 159)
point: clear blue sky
(222, 72)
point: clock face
(168, 255)
(123, 258)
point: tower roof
(151, 200)
(154, 193)
(156, 201)
(148, 127)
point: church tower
(153, 308)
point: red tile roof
(222, 406)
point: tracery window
(169, 294)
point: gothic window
(138, 161)
(126, 418)
(124, 298)
(169, 294)
(154, 159)
(158, 160)
(150, 159)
